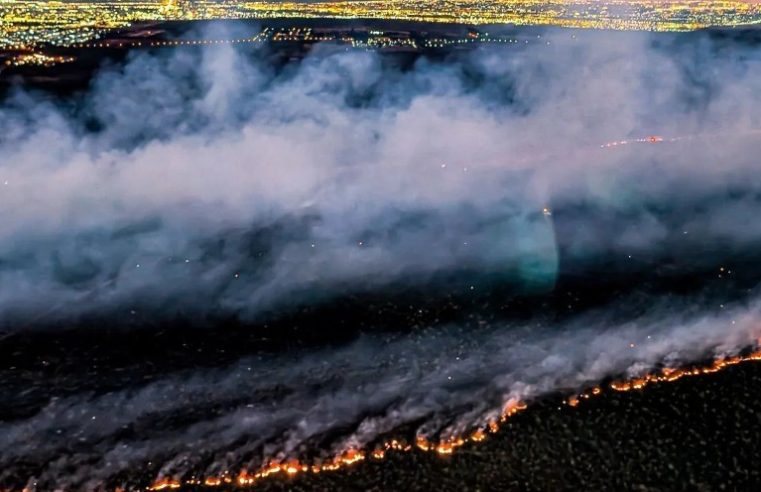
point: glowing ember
(165, 483)
(448, 447)
(244, 479)
(478, 436)
(422, 443)
(351, 457)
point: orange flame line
(448, 446)
(348, 458)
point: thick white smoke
(340, 172)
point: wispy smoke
(206, 183)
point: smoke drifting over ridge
(205, 183)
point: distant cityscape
(293, 40)
(25, 24)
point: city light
(26, 23)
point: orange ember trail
(449, 446)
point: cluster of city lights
(358, 38)
(27, 23)
(37, 59)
